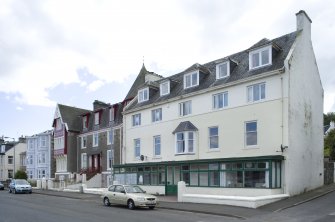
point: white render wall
(304, 156)
(230, 120)
(37, 150)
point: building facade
(99, 141)
(66, 127)
(39, 155)
(248, 124)
(10, 158)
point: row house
(88, 143)
(67, 124)
(40, 162)
(12, 157)
(247, 124)
(99, 141)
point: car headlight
(140, 198)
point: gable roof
(239, 72)
(71, 116)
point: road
(36, 207)
(44, 208)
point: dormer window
(165, 88)
(111, 114)
(85, 122)
(191, 79)
(260, 57)
(97, 118)
(222, 70)
(143, 95)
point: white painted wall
(304, 156)
(230, 121)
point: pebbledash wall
(288, 157)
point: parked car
(19, 186)
(2, 187)
(130, 195)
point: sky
(73, 52)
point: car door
(111, 194)
(120, 195)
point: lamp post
(5, 137)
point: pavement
(170, 202)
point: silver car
(130, 195)
(19, 186)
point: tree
(20, 174)
(330, 144)
(328, 117)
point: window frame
(212, 136)
(83, 145)
(111, 114)
(218, 73)
(154, 115)
(260, 57)
(137, 147)
(191, 79)
(161, 86)
(246, 134)
(182, 107)
(216, 100)
(143, 95)
(252, 88)
(134, 122)
(85, 122)
(97, 118)
(83, 163)
(109, 159)
(95, 142)
(155, 144)
(186, 142)
(110, 138)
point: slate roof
(139, 82)
(207, 79)
(72, 116)
(104, 121)
(185, 126)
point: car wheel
(30, 192)
(131, 205)
(106, 202)
(151, 207)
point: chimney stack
(304, 23)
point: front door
(172, 179)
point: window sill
(156, 157)
(180, 154)
(258, 67)
(251, 147)
(213, 150)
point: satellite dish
(142, 157)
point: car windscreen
(21, 182)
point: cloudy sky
(75, 51)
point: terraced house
(99, 143)
(248, 124)
(66, 127)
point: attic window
(165, 88)
(260, 57)
(143, 95)
(222, 70)
(191, 79)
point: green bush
(20, 174)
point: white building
(10, 158)
(39, 155)
(249, 124)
